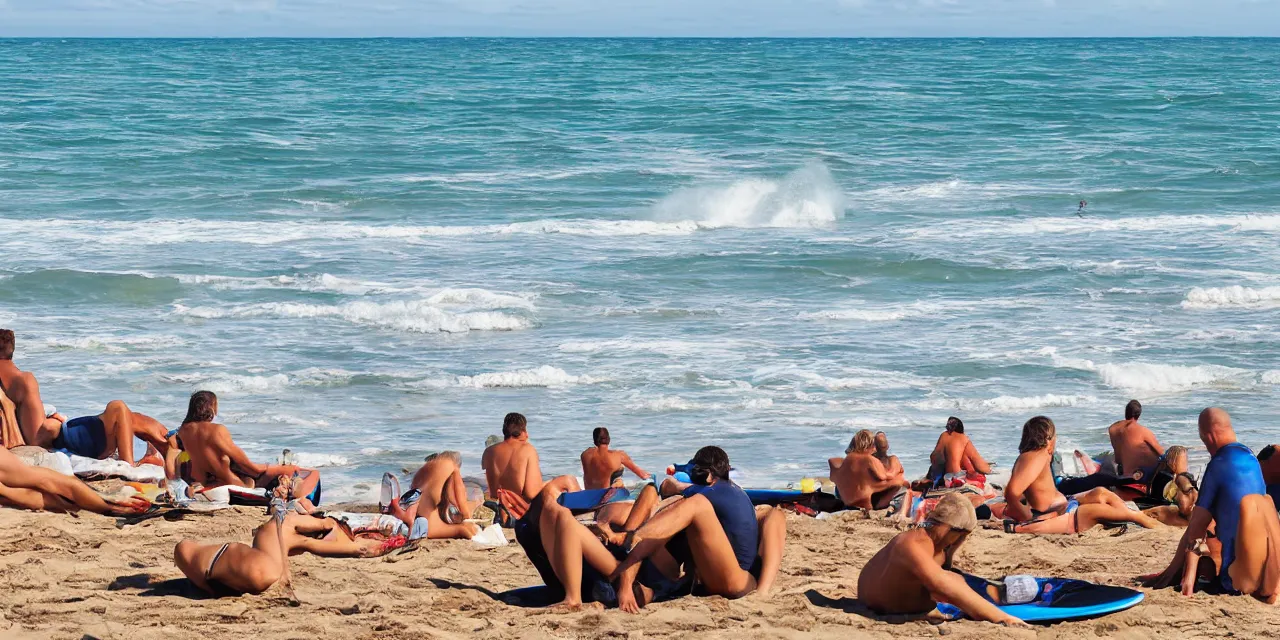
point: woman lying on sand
(233, 568)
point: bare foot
(575, 607)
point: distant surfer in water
(1080, 211)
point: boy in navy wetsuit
(1234, 497)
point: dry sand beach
(69, 577)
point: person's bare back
(513, 463)
(24, 392)
(860, 476)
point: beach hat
(954, 511)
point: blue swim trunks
(85, 437)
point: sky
(707, 18)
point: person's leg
(437, 528)
(1085, 484)
(34, 500)
(713, 555)
(1256, 567)
(568, 544)
(1065, 523)
(1090, 515)
(1100, 495)
(455, 492)
(117, 423)
(773, 535)
(642, 510)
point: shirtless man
(863, 481)
(911, 574)
(1034, 505)
(1135, 446)
(955, 454)
(110, 432)
(233, 568)
(443, 499)
(1232, 497)
(202, 453)
(735, 549)
(892, 465)
(602, 467)
(23, 486)
(513, 463)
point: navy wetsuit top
(1232, 474)
(736, 514)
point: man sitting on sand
(233, 568)
(602, 467)
(732, 547)
(23, 486)
(203, 454)
(1034, 505)
(863, 481)
(911, 574)
(108, 433)
(1138, 453)
(512, 464)
(1245, 558)
(442, 502)
(955, 460)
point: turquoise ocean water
(372, 249)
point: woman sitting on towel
(202, 454)
(233, 568)
(1034, 505)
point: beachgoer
(602, 467)
(1181, 491)
(1137, 454)
(442, 499)
(1136, 448)
(954, 456)
(202, 453)
(1246, 558)
(234, 568)
(100, 436)
(892, 465)
(863, 481)
(513, 463)
(1033, 503)
(714, 532)
(912, 573)
(24, 486)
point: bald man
(1234, 497)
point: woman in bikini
(202, 453)
(234, 568)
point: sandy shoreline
(66, 577)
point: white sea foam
(662, 403)
(319, 460)
(1230, 297)
(121, 367)
(1071, 225)
(1271, 377)
(324, 283)
(1026, 403)
(1155, 377)
(233, 385)
(479, 299)
(856, 378)
(807, 197)
(919, 308)
(543, 376)
(111, 344)
(420, 316)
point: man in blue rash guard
(1234, 497)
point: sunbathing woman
(233, 568)
(202, 453)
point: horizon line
(635, 37)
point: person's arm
(1024, 473)
(532, 475)
(635, 468)
(877, 470)
(834, 464)
(15, 473)
(937, 455)
(237, 460)
(979, 464)
(951, 588)
(30, 412)
(1197, 528)
(1153, 443)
